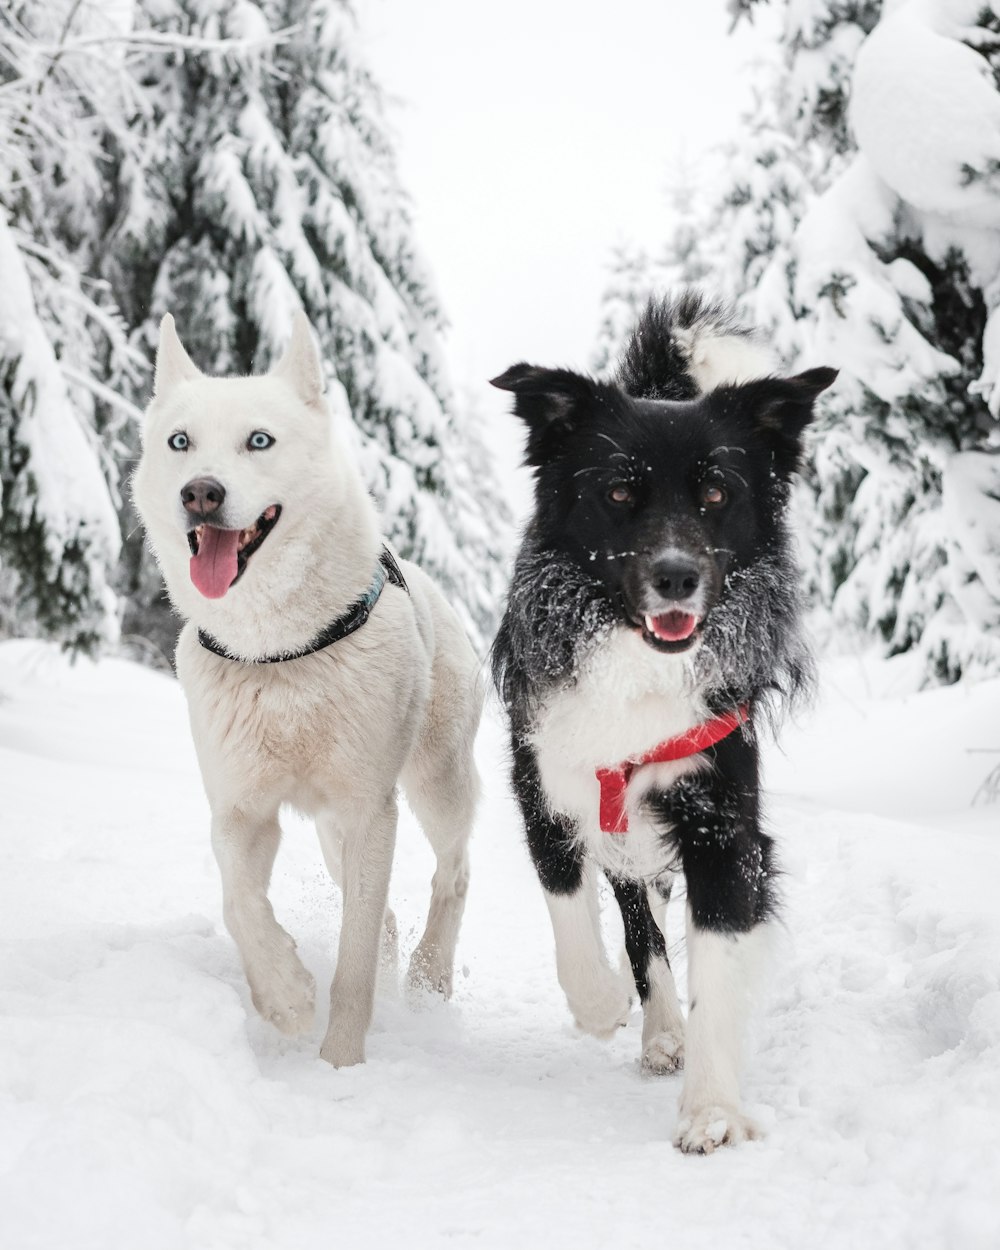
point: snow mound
(926, 112)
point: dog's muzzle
(669, 598)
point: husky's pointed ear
(300, 365)
(549, 401)
(173, 364)
(783, 407)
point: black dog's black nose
(202, 495)
(675, 579)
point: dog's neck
(297, 583)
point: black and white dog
(651, 624)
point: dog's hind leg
(442, 787)
(245, 845)
(365, 863)
(662, 1021)
(331, 841)
(658, 895)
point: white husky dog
(316, 673)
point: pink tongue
(214, 568)
(673, 626)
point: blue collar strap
(387, 570)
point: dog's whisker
(614, 443)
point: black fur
(652, 365)
(557, 857)
(715, 831)
(643, 939)
(624, 471)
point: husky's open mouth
(219, 557)
(670, 631)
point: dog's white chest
(626, 699)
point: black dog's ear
(783, 407)
(548, 401)
(544, 394)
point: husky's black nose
(675, 578)
(202, 496)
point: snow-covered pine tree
(864, 232)
(268, 181)
(61, 92)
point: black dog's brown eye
(712, 495)
(620, 493)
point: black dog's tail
(685, 345)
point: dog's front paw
(286, 996)
(701, 1131)
(663, 1053)
(602, 1012)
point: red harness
(614, 781)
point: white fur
(716, 358)
(626, 699)
(662, 1021)
(721, 972)
(330, 733)
(597, 996)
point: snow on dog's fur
(654, 592)
(265, 535)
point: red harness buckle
(614, 781)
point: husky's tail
(686, 345)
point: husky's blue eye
(178, 441)
(259, 440)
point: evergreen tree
(267, 182)
(226, 160)
(860, 229)
(58, 425)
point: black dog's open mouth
(219, 556)
(673, 631)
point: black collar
(387, 570)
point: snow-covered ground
(144, 1106)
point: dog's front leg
(597, 996)
(721, 969)
(366, 864)
(726, 858)
(331, 840)
(245, 845)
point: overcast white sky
(534, 135)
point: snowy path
(144, 1106)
